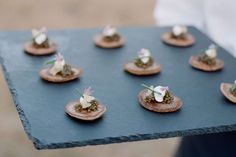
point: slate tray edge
(21, 113)
(138, 137)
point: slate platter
(41, 104)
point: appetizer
(229, 91)
(87, 108)
(59, 71)
(179, 37)
(144, 64)
(208, 60)
(40, 44)
(159, 99)
(109, 38)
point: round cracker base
(225, 90)
(30, 49)
(98, 40)
(167, 39)
(159, 107)
(133, 69)
(70, 110)
(194, 61)
(44, 74)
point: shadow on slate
(41, 105)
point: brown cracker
(98, 40)
(225, 89)
(44, 74)
(194, 61)
(133, 69)
(30, 49)
(159, 107)
(87, 116)
(168, 39)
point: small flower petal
(178, 30)
(211, 51)
(109, 31)
(88, 91)
(160, 93)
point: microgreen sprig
(77, 90)
(50, 62)
(150, 89)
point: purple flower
(140, 53)
(88, 91)
(59, 57)
(43, 30)
(144, 53)
(165, 88)
(213, 46)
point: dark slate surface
(41, 104)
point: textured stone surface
(41, 104)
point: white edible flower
(39, 36)
(40, 39)
(109, 31)
(178, 30)
(144, 55)
(58, 65)
(86, 100)
(159, 93)
(211, 51)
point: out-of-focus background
(26, 14)
(65, 14)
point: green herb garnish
(150, 89)
(50, 62)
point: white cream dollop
(158, 91)
(57, 67)
(39, 36)
(144, 55)
(40, 39)
(211, 51)
(86, 100)
(178, 30)
(109, 31)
